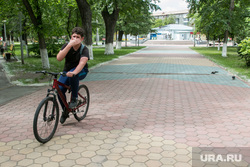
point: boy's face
(77, 36)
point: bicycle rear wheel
(83, 103)
(46, 120)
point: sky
(172, 5)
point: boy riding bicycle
(76, 68)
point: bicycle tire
(46, 115)
(83, 101)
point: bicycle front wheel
(83, 103)
(46, 120)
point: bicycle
(47, 113)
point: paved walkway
(9, 91)
(150, 108)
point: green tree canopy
(220, 16)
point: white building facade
(178, 31)
(172, 32)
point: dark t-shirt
(73, 57)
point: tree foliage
(158, 23)
(169, 20)
(216, 17)
(113, 10)
(244, 50)
(50, 20)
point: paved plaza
(151, 108)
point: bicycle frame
(55, 86)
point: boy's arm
(62, 53)
(79, 67)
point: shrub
(244, 50)
(34, 50)
(52, 49)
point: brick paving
(150, 108)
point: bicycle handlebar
(51, 73)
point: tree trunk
(224, 50)
(37, 21)
(25, 35)
(110, 23)
(68, 23)
(126, 40)
(3, 32)
(86, 16)
(43, 51)
(214, 42)
(119, 45)
(219, 44)
(207, 40)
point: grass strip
(232, 62)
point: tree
(218, 16)
(158, 23)
(110, 19)
(10, 18)
(229, 22)
(110, 12)
(36, 18)
(134, 22)
(211, 26)
(86, 16)
(169, 20)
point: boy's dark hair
(78, 30)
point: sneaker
(73, 103)
(64, 116)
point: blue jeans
(73, 81)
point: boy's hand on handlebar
(70, 74)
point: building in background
(178, 31)
(172, 32)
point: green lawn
(232, 63)
(25, 72)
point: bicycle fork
(51, 115)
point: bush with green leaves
(244, 50)
(52, 49)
